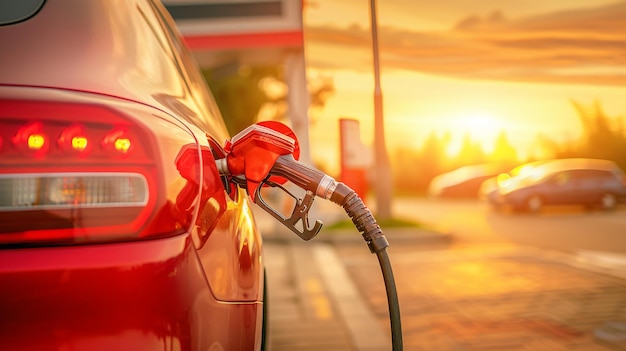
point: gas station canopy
(225, 32)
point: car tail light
(75, 141)
(32, 140)
(73, 173)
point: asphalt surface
(328, 294)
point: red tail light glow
(118, 143)
(78, 173)
(74, 140)
(32, 140)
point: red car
(116, 230)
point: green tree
(503, 151)
(603, 137)
(542, 147)
(405, 161)
(243, 93)
(414, 169)
(470, 153)
(239, 95)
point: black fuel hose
(373, 235)
(392, 300)
(322, 185)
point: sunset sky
(479, 66)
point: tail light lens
(72, 173)
(65, 190)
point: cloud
(578, 46)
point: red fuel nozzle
(265, 154)
(254, 151)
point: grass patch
(387, 223)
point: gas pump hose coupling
(361, 216)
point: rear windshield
(13, 11)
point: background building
(226, 35)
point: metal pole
(384, 180)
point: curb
(364, 329)
(345, 236)
(602, 262)
(392, 235)
(273, 231)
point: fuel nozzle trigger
(298, 222)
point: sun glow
(480, 127)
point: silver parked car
(490, 189)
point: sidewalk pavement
(317, 299)
(496, 298)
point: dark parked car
(588, 182)
(116, 230)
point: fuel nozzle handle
(304, 176)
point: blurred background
(470, 91)
(474, 82)
(463, 83)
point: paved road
(330, 296)
(495, 298)
(484, 291)
(558, 228)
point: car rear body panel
(110, 47)
(147, 295)
(195, 283)
(154, 294)
(54, 106)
